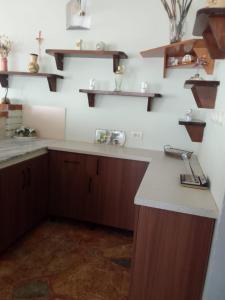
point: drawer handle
(23, 180)
(90, 185)
(71, 162)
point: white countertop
(160, 187)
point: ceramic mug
(92, 84)
(216, 3)
(144, 86)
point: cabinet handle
(98, 167)
(23, 180)
(29, 177)
(90, 185)
(71, 162)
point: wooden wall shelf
(59, 55)
(196, 47)
(92, 93)
(210, 23)
(52, 78)
(195, 129)
(204, 92)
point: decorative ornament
(33, 66)
(78, 15)
(216, 3)
(79, 44)
(177, 12)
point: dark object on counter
(196, 182)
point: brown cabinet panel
(38, 183)
(171, 255)
(95, 189)
(68, 184)
(120, 182)
(23, 198)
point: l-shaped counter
(160, 187)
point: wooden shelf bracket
(204, 92)
(195, 129)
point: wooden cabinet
(120, 180)
(95, 189)
(69, 185)
(23, 198)
(171, 255)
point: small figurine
(187, 59)
(100, 46)
(196, 77)
(79, 44)
(216, 3)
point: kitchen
(68, 193)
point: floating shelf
(204, 92)
(210, 23)
(195, 129)
(195, 47)
(92, 93)
(59, 55)
(52, 78)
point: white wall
(125, 25)
(130, 26)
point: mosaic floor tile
(60, 261)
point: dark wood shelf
(195, 129)
(204, 92)
(59, 55)
(195, 47)
(210, 23)
(92, 93)
(52, 78)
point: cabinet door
(171, 255)
(7, 214)
(38, 186)
(120, 180)
(17, 199)
(68, 184)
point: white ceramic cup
(144, 86)
(92, 84)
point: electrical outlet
(138, 135)
(218, 117)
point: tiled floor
(59, 261)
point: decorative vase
(4, 64)
(33, 66)
(176, 30)
(118, 82)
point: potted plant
(5, 48)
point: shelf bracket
(52, 82)
(116, 62)
(217, 25)
(59, 59)
(91, 100)
(149, 107)
(195, 130)
(4, 80)
(205, 97)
